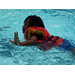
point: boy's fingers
(15, 37)
(11, 41)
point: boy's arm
(30, 42)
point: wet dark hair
(35, 21)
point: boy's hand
(16, 41)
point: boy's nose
(23, 26)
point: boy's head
(32, 21)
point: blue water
(59, 22)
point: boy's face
(26, 25)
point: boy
(35, 33)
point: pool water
(58, 22)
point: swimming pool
(59, 22)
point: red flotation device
(53, 40)
(37, 30)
